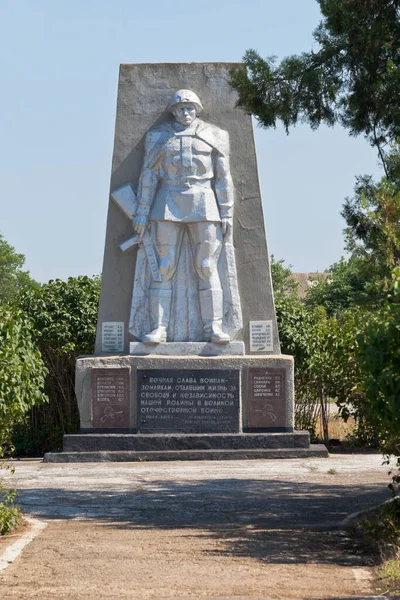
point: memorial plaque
(188, 401)
(110, 398)
(261, 336)
(112, 336)
(267, 398)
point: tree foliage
(347, 285)
(12, 277)
(283, 284)
(373, 225)
(64, 314)
(372, 238)
(379, 361)
(10, 514)
(352, 77)
(22, 371)
(324, 347)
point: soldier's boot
(211, 302)
(159, 309)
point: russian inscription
(112, 336)
(261, 339)
(188, 401)
(266, 401)
(110, 398)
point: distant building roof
(305, 281)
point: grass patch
(378, 530)
(338, 428)
(388, 576)
(378, 533)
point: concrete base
(90, 442)
(264, 428)
(134, 447)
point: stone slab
(100, 442)
(191, 401)
(266, 397)
(187, 349)
(315, 450)
(110, 398)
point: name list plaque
(188, 401)
(112, 336)
(110, 398)
(267, 398)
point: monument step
(314, 450)
(120, 442)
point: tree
(346, 286)
(372, 238)
(12, 277)
(281, 279)
(373, 225)
(351, 78)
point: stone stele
(144, 93)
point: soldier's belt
(184, 185)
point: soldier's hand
(226, 227)
(139, 224)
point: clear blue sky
(59, 63)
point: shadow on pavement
(272, 521)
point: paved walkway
(234, 529)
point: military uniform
(186, 185)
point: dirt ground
(209, 530)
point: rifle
(126, 200)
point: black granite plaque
(110, 398)
(266, 405)
(188, 401)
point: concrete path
(235, 529)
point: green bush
(22, 371)
(379, 529)
(10, 514)
(64, 314)
(324, 349)
(21, 387)
(379, 361)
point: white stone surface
(187, 349)
(184, 205)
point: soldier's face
(185, 114)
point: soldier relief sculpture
(185, 286)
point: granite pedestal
(159, 407)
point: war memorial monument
(187, 363)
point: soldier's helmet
(183, 97)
